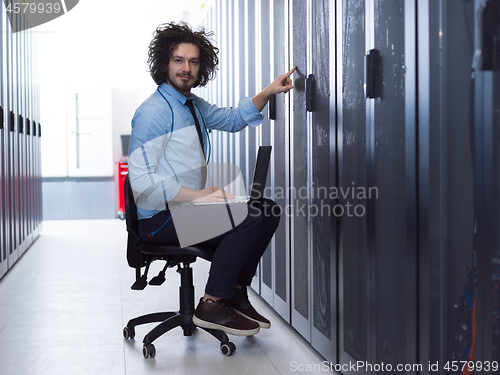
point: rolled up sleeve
(249, 113)
(231, 119)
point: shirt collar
(169, 90)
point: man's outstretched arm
(281, 84)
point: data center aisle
(64, 304)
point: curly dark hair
(166, 38)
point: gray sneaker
(220, 315)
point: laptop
(258, 183)
(198, 222)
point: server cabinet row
(385, 162)
(256, 45)
(20, 170)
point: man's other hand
(213, 194)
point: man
(167, 165)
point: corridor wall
(20, 131)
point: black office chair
(141, 254)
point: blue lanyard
(202, 119)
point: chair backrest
(135, 257)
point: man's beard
(184, 87)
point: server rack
(487, 136)
(3, 130)
(449, 178)
(398, 113)
(20, 172)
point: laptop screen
(260, 175)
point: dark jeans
(236, 253)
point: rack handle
(272, 107)
(310, 80)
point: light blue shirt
(165, 152)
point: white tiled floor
(65, 302)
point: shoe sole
(261, 324)
(231, 331)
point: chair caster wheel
(128, 333)
(148, 351)
(227, 348)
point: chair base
(169, 320)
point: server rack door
(27, 231)
(377, 158)
(391, 208)
(31, 106)
(234, 81)
(29, 178)
(3, 180)
(29, 139)
(251, 71)
(221, 80)
(242, 85)
(224, 66)
(322, 162)
(39, 170)
(12, 84)
(486, 316)
(6, 89)
(300, 257)
(36, 141)
(220, 96)
(446, 178)
(22, 143)
(354, 266)
(31, 157)
(230, 74)
(257, 66)
(37, 147)
(31, 100)
(492, 315)
(258, 62)
(280, 161)
(29, 116)
(17, 144)
(36, 119)
(225, 54)
(18, 139)
(266, 266)
(486, 312)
